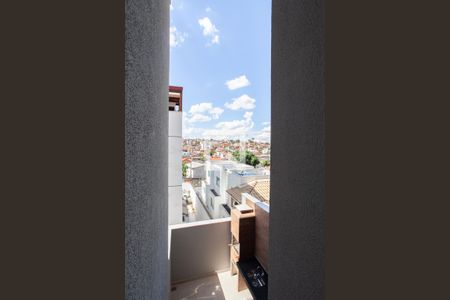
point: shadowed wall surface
(146, 134)
(199, 249)
(296, 244)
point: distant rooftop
(250, 172)
(260, 189)
(196, 164)
(238, 168)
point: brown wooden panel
(234, 254)
(243, 229)
(235, 223)
(242, 285)
(247, 237)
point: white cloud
(208, 9)
(265, 123)
(235, 128)
(215, 40)
(242, 102)
(203, 112)
(264, 134)
(188, 130)
(240, 129)
(176, 37)
(171, 6)
(206, 107)
(238, 82)
(248, 115)
(209, 30)
(215, 112)
(201, 107)
(198, 118)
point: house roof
(216, 158)
(260, 189)
(195, 164)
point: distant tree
(254, 161)
(202, 157)
(211, 152)
(184, 168)
(265, 163)
(250, 158)
(237, 155)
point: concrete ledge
(199, 249)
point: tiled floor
(222, 286)
(229, 285)
(203, 288)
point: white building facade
(220, 176)
(175, 174)
(175, 156)
(196, 170)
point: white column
(175, 174)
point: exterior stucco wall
(146, 136)
(297, 206)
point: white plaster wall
(175, 123)
(175, 205)
(198, 172)
(175, 178)
(175, 173)
(203, 191)
(199, 248)
(207, 169)
(201, 213)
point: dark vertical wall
(146, 119)
(296, 245)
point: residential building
(222, 175)
(258, 189)
(196, 170)
(175, 154)
(193, 209)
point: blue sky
(220, 54)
